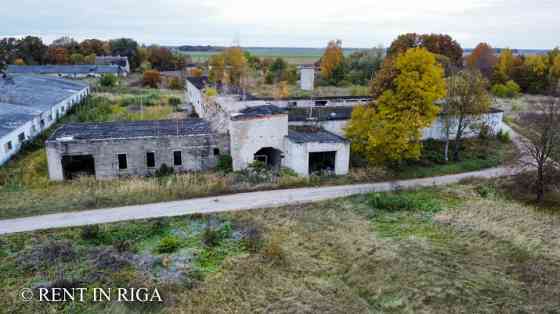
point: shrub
(122, 245)
(175, 101)
(90, 233)
(508, 90)
(273, 250)
(164, 171)
(152, 78)
(168, 244)
(213, 236)
(225, 164)
(175, 83)
(402, 202)
(504, 137)
(486, 190)
(108, 80)
(252, 238)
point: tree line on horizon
(31, 50)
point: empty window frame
(123, 163)
(177, 158)
(21, 137)
(216, 151)
(151, 159)
(321, 103)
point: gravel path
(234, 202)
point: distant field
(291, 55)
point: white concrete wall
(195, 98)
(297, 157)
(437, 130)
(248, 136)
(307, 78)
(33, 128)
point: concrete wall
(307, 78)
(436, 131)
(33, 128)
(298, 156)
(197, 154)
(250, 135)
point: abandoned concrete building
(305, 134)
(31, 104)
(120, 61)
(135, 148)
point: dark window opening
(177, 158)
(292, 104)
(151, 159)
(322, 162)
(271, 157)
(8, 146)
(42, 123)
(123, 164)
(77, 166)
(321, 103)
(21, 137)
(216, 151)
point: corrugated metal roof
(131, 129)
(23, 97)
(63, 69)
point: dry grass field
(466, 248)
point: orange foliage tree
(331, 59)
(152, 78)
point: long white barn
(31, 104)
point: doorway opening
(271, 157)
(322, 162)
(78, 166)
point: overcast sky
(290, 23)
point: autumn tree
(77, 58)
(217, 68)
(555, 71)
(384, 78)
(504, 67)
(58, 55)
(19, 61)
(466, 102)
(32, 50)
(362, 65)
(235, 65)
(90, 59)
(537, 71)
(125, 47)
(332, 59)
(484, 59)
(542, 142)
(439, 44)
(391, 129)
(152, 78)
(92, 46)
(281, 90)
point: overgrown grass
(421, 251)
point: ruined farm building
(138, 148)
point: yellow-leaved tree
(390, 130)
(502, 71)
(331, 59)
